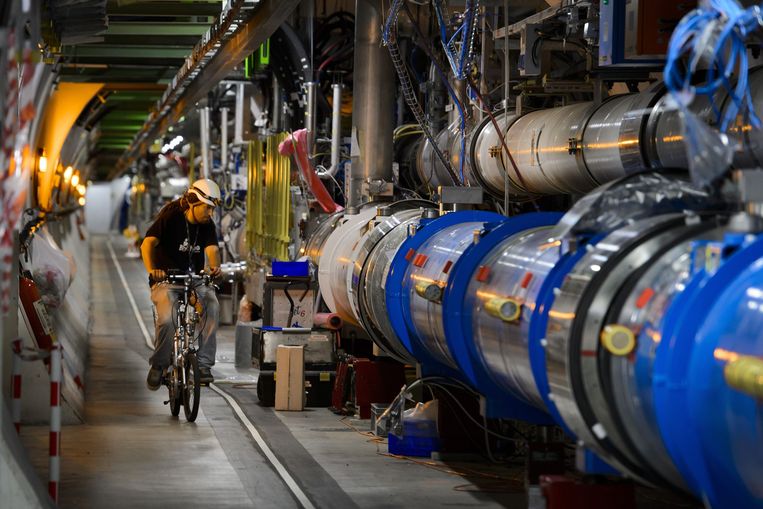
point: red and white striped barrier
(55, 422)
(16, 385)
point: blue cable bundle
(721, 27)
(459, 63)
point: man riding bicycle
(180, 238)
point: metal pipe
(506, 92)
(310, 120)
(373, 104)
(576, 148)
(224, 138)
(204, 132)
(238, 123)
(277, 106)
(336, 125)
(336, 132)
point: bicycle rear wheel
(192, 389)
(176, 394)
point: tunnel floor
(130, 452)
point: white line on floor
(146, 335)
(287, 478)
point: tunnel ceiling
(134, 47)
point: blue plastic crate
(419, 428)
(412, 446)
(291, 269)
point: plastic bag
(631, 198)
(421, 420)
(710, 153)
(52, 269)
(245, 309)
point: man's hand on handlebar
(158, 275)
(214, 272)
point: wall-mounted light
(81, 201)
(42, 161)
(68, 173)
(75, 179)
(81, 189)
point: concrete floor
(131, 453)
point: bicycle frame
(183, 349)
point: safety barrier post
(16, 385)
(55, 421)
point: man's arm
(213, 260)
(147, 252)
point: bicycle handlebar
(181, 278)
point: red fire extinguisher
(35, 314)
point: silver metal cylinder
(373, 103)
(204, 135)
(238, 124)
(541, 144)
(382, 225)
(605, 145)
(430, 170)
(519, 266)
(576, 148)
(573, 333)
(338, 248)
(441, 251)
(224, 138)
(277, 106)
(316, 243)
(488, 156)
(373, 305)
(336, 125)
(631, 377)
(310, 119)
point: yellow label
(325, 376)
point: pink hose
(328, 321)
(298, 141)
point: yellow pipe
(259, 195)
(269, 199)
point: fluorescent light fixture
(177, 140)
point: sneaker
(205, 375)
(154, 379)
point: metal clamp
(745, 374)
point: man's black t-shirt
(181, 244)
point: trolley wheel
(192, 389)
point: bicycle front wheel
(176, 394)
(192, 389)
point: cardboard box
(290, 378)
